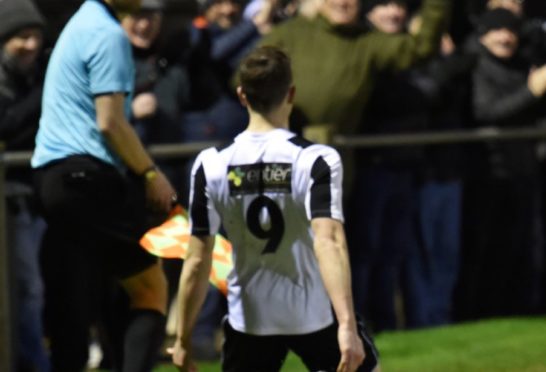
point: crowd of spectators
(450, 233)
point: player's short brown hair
(265, 76)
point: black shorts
(319, 351)
(102, 213)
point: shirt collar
(109, 9)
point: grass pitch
(503, 345)
(507, 345)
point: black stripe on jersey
(224, 146)
(300, 141)
(199, 211)
(321, 195)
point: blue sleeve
(110, 63)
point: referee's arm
(124, 141)
(331, 251)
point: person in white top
(278, 198)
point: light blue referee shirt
(92, 57)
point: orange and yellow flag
(170, 240)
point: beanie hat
(368, 5)
(497, 19)
(154, 5)
(16, 15)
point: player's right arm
(331, 251)
(205, 222)
(191, 296)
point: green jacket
(335, 67)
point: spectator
(385, 208)
(162, 86)
(388, 16)
(515, 6)
(95, 181)
(21, 77)
(221, 38)
(501, 262)
(532, 34)
(533, 48)
(335, 60)
(444, 87)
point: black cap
(497, 19)
(368, 5)
(16, 15)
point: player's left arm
(191, 295)
(331, 251)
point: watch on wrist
(150, 173)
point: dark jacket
(446, 82)
(20, 107)
(20, 100)
(397, 105)
(170, 83)
(501, 98)
(216, 53)
(432, 97)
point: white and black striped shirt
(264, 188)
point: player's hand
(159, 192)
(351, 348)
(181, 358)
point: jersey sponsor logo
(260, 177)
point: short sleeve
(324, 196)
(204, 219)
(110, 63)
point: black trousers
(95, 218)
(319, 350)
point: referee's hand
(160, 193)
(351, 348)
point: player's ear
(291, 94)
(242, 96)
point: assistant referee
(96, 185)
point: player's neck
(265, 123)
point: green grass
(496, 345)
(504, 345)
